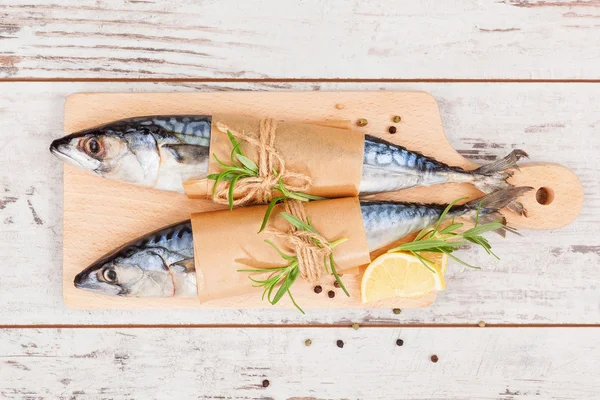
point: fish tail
(491, 177)
(486, 209)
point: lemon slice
(402, 275)
(439, 259)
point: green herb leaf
(281, 253)
(234, 142)
(294, 302)
(268, 212)
(335, 274)
(248, 163)
(230, 193)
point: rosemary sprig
(243, 167)
(447, 240)
(283, 277)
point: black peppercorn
(331, 294)
(399, 342)
(336, 284)
(265, 383)
(340, 343)
(318, 289)
(392, 129)
(434, 358)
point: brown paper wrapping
(332, 157)
(226, 241)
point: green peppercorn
(355, 326)
(396, 311)
(307, 342)
(362, 122)
(396, 118)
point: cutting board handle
(554, 202)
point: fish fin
(491, 177)
(490, 205)
(187, 153)
(508, 162)
(184, 266)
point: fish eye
(109, 275)
(93, 147)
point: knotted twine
(311, 248)
(259, 190)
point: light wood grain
(542, 277)
(522, 39)
(95, 209)
(482, 364)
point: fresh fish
(161, 264)
(388, 167)
(162, 152)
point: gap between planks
(290, 326)
(300, 80)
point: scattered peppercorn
(481, 324)
(318, 289)
(362, 122)
(307, 342)
(355, 326)
(336, 284)
(396, 311)
(340, 106)
(434, 358)
(396, 118)
(340, 343)
(399, 342)
(265, 383)
(331, 294)
(392, 129)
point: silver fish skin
(163, 152)
(159, 264)
(160, 152)
(388, 167)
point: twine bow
(310, 248)
(271, 168)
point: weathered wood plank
(522, 39)
(543, 277)
(499, 364)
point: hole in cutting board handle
(544, 196)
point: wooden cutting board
(101, 214)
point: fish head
(118, 151)
(132, 272)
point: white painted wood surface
(518, 39)
(547, 277)
(473, 363)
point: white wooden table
(514, 73)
